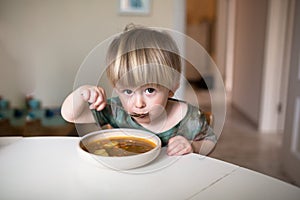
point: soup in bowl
(120, 149)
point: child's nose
(139, 101)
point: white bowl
(124, 162)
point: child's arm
(179, 145)
(75, 107)
(203, 147)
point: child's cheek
(160, 102)
(127, 108)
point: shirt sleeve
(100, 117)
(195, 126)
(205, 130)
(110, 114)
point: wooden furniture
(35, 128)
(209, 118)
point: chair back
(209, 118)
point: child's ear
(171, 93)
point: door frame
(291, 141)
(277, 53)
(276, 67)
(225, 34)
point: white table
(51, 168)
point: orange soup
(119, 146)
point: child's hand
(95, 96)
(179, 145)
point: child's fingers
(97, 98)
(183, 151)
(101, 106)
(178, 145)
(93, 96)
(175, 149)
(180, 149)
(99, 103)
(100, 97)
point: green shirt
(193, 126)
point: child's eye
(149, 90)
(127, 92)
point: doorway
(200, 26)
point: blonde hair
(142, 55)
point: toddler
(144, 68)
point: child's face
(145, 103)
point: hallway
(241, 144)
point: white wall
(43, 43)
(221, 35)
(249, 56)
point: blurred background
(254, 43)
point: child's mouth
(137, 115)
